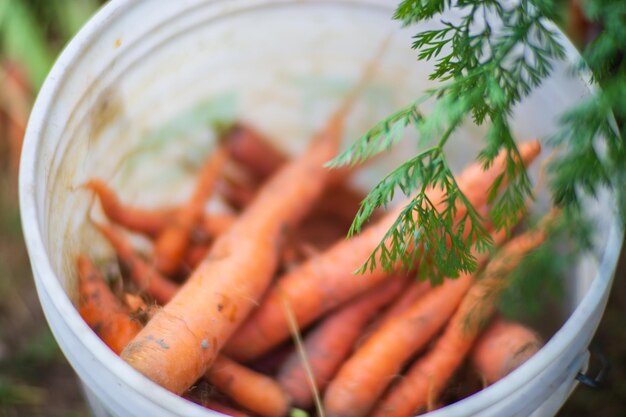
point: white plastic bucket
(283, 66)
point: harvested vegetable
(252, 390)
(323, 282)
(150, 222)
(101, 310)
(235, 274)
(170, 245)
(365, 375)
(424, 381)
(113, 323)
(413, 293)
(233, 258)
(503, 347)
(248, 146)
(332, 340)
(144, 275)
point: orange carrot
(409, 297)
(101, 309)
(236, 194)
(195, 254)
(320, 231)
(252, 390)
(214, 224)
(221, 408)
(502, 348)
(340, 202)
(248, 147)
(428, 376)
(256, 153)
(365, 375)
(145, 276)
(230, 281)
(150, 222)
(323, 282)
(111, 321)
(331, 341)
(171, 243)
(153, 222)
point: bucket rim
(47, 280)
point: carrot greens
(488, 57)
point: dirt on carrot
(101, 310)
(144, 275)
(113, 322)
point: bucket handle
(605, 366)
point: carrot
(331, 341)
(365, 375)
(409, 297)
(152, 222)
(111, 321)
(248, 147)
(502, 348)
(149, 222)
(238, 195)
(195, 254)
(170, 245)
(340, 202)
(428, 376)
(256, 153)
(145, 276)
(221, 408)
(101, 310)
(252, 390)
(323, 282)
(225, 287)
(321, 231)
(415, 291)
(213, 225)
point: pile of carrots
(257, 311)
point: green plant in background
(35, 380)
(32, 31)
(488, 60)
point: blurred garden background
(35, 379)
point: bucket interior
(140, 107)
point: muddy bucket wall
(116, 106)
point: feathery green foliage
(486, 61)
(593, 132)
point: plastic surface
(111, 107)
